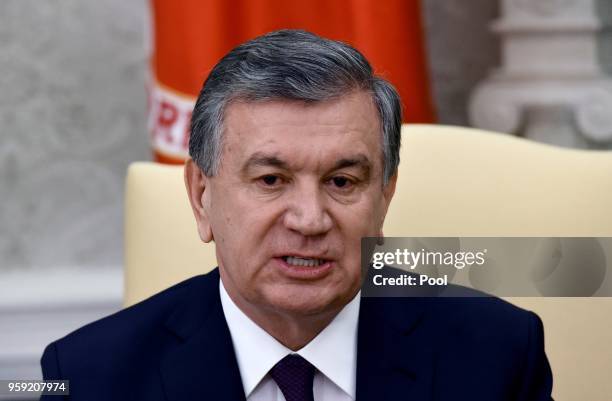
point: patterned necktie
(294, 376)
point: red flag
(190, 36)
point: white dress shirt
(333, 352)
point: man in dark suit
(294, 151)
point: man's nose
(307, 211)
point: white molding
(39, 306)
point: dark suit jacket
(176, 346)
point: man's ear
(196, 183)
(388, 192)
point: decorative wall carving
(594, 113)
(495, 112)
(550, 61)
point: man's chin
(307, 303)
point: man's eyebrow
(260, 159)
(360, 160)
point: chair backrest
(452, 182)
(162, 246)
(465, 182)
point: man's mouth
(303, 262)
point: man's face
(298, 187)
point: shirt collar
(333, 351)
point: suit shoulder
(146, 316)
(485, 320)
(463, 311)
(481, 304)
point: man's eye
(341, 182)
(270, 180)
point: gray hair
(292, 65)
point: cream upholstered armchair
(452, 182)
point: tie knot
(294, 376)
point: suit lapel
(202, 364)
(389, 365)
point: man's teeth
(306, 262)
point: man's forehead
(355, 110)
(339, 133)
